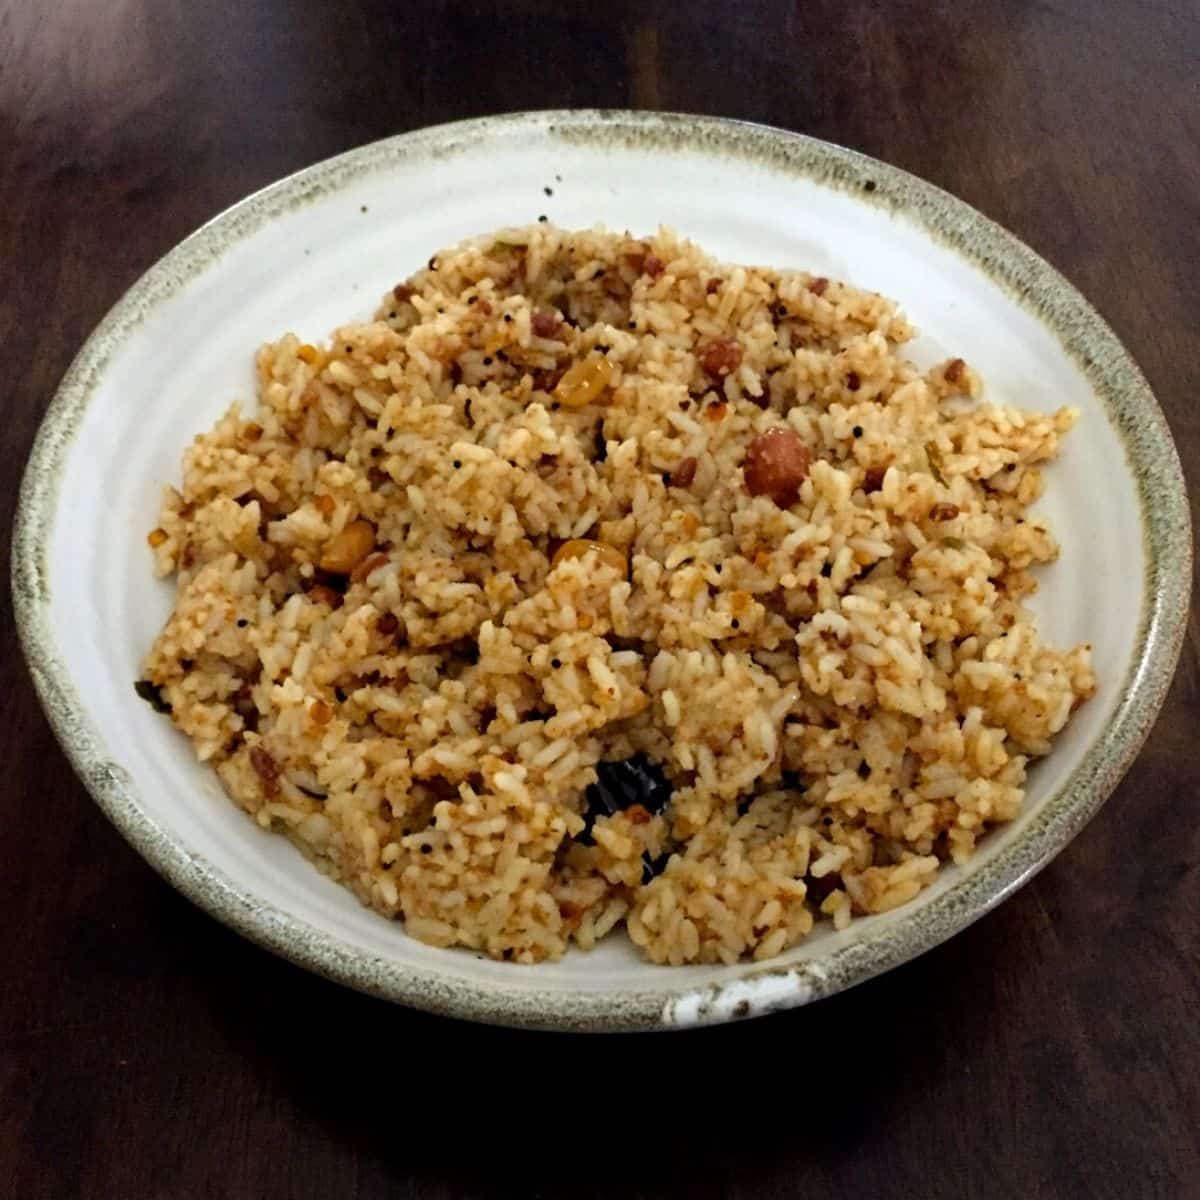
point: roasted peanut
(721, 357)
(345, 550)
(684, 473)
(776, 465)
(584, 381)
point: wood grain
(1052, 1049)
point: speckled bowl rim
(748, 989)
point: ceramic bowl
(319, 248)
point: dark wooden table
(1052, 1049)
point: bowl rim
(747, 989)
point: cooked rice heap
(574, 499)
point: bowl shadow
(457, 1108)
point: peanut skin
(776, 465)
(721, 357)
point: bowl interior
(320, 250)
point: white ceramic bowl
(320, 248)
